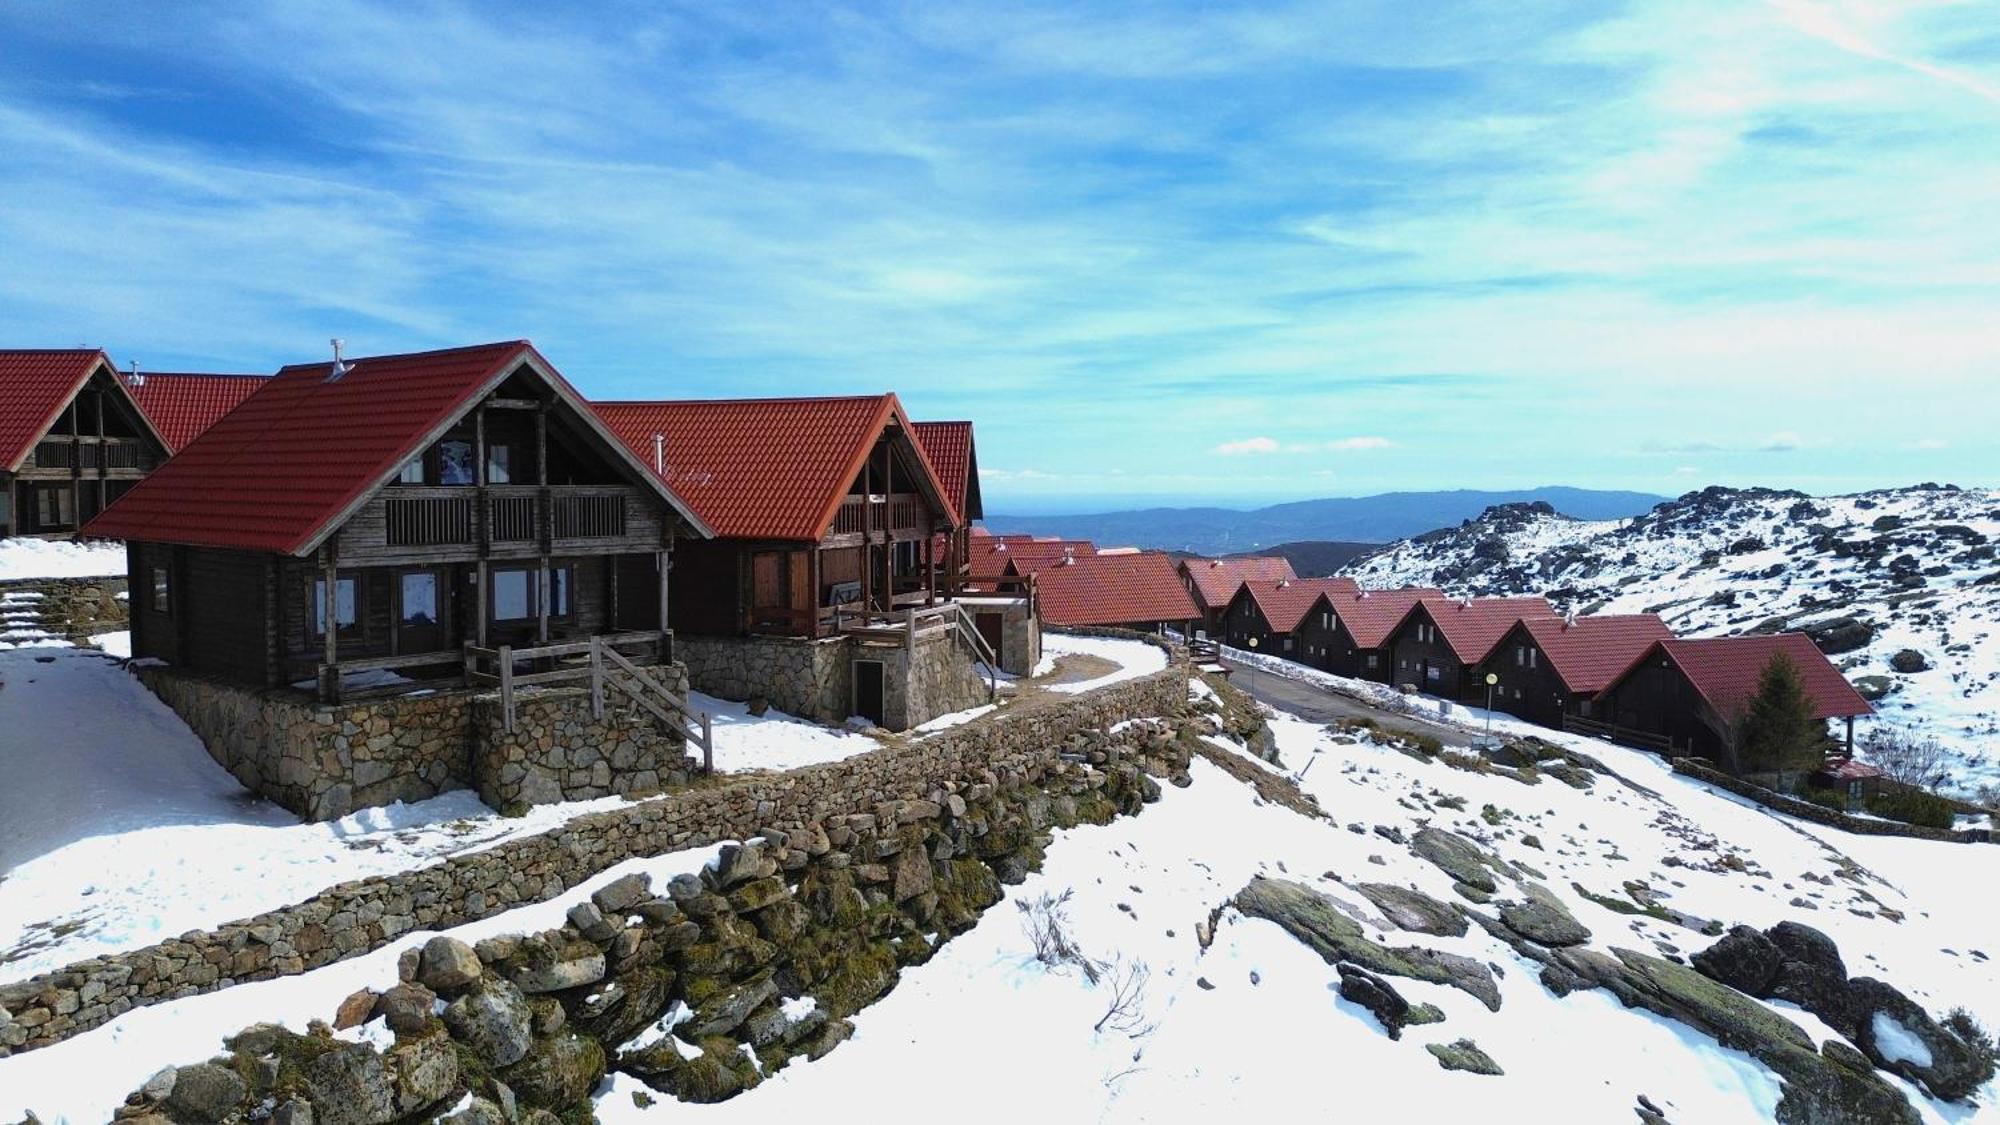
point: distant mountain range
(1357, 519)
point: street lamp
(1252, 666)
(1491, 679)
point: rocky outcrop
(1318, 923)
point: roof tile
(1589, 652)
(1217, 580)
(1114, 590)
(34, 388)
(183, 404)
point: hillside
(1315, 559)
(1901, 586)
(1353, 519)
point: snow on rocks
(59, 558)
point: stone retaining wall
(1819, 814)
(77, 607)
(815, 678)
(324, 760)
(356, 917)
(558, 752)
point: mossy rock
(559, 1072)
(964, 891)
(641, 996)
(1316, 922)
(1464, 1055)
(1420, 1014)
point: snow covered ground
(56, 558)
(1134, 658)
(1917, 565)
(774, 740)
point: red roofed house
(1363, 623)
(952, 453)
(71, 440)
(1693, 690)
(1140, 591)
(827, 513)
(1213, 582)
(1007, 556)
(1291, 617)
(1550, 668)
(1439, 641)
(183, 404)
(430, 516)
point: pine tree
(1778, 729)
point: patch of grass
(1460, 760)
(1927, 810)
(1621, 906)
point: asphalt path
(1318, 705)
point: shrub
(1962, 1024)
(1833, 799)
(1428, 746)
(1779, 730)
(1926, 810)
(1913, 759)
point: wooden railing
(511, 518)
(899, 512)
(604, 667)
(1624, 736)
(915, 623)
(589, 515)
(55, 454)
(428, 521)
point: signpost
(1251, 666)
(1491, 679)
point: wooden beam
(329, 674)
(542, 601)
(479, 577)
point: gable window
(499, 464)
(412, 472)
(455, 465)
(162, 591)
(1534, 657)
(513, 595)
(346, 605)
(1374, 659)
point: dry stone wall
(557, 751)
(809, 678)
(76, 607)
(356, 917)
(757, 960)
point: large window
(455, 464)
(513, 595)
(55, 506)
(559, 583)
(346, 606)
(499, 464)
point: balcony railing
(898, 512)
(436, 517)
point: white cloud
(1248, 445)
(1784, 441)
(1016, 474)
(1359, 443)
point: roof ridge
(350, 360)
(742, 399)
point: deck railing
(898, 512)
(438, 517)
(597, 662)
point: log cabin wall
(1657, 699)
(1418, 648)
(1529, 686)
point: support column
(485, 612)
(329, 671)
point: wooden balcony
(900, 512)
(503, 520)
(90, 454)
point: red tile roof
(183, 404)
(949, 446)
(1472, 626)
(283, 469)
(1372, 615)
(1286, 602)
(993, 558)
(1589, 652)
(1724, 670)
(1114, 590)
(1217, 580)
(35, 386)
(768, 468)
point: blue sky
(1218, 253)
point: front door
(420, 611)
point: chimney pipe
(135, 379)
(660, 454)
(340, 365)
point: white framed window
(412, 472)
(162, 591)
(513, 594)
(346, 605)
(499, 464)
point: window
(346, 605)
(559, 583)
(162, 591)
(455, 463)
(513, 595)
(1288, 644)
(1374, 660)
(55, 506)
(1431, 673)
(1533, 657)
(499, 462)
(413, 472)
(420, 598)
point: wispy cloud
(1248, 445)
(1360, 443)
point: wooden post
(479, 573)
(482, 516)
(1850, 736)
(329, 672)
(542, 602)
(664, 560)
(930, 568)
(506, 671)
(596, 677)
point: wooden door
(767, 590)
(870, 691)
(422, 598)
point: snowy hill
(1901, 586)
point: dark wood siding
(705, 592)
(1656, 698)
(1347, 658)
(1413, 657)
(1529, 687)
(222, 599)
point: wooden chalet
(181, 404)
(1008, 563)
(1687, 696)
(1141, 591)
(397, 513)
(1291, 617)
(1214, 582)
(1440, 640)
(950, 447)
(1363, 624)
(1551, 670)
(824, 509)
(72, 440)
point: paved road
(1317, 705)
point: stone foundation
(325, 760)
(558, 752)
(814, 679)
(77, 607)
